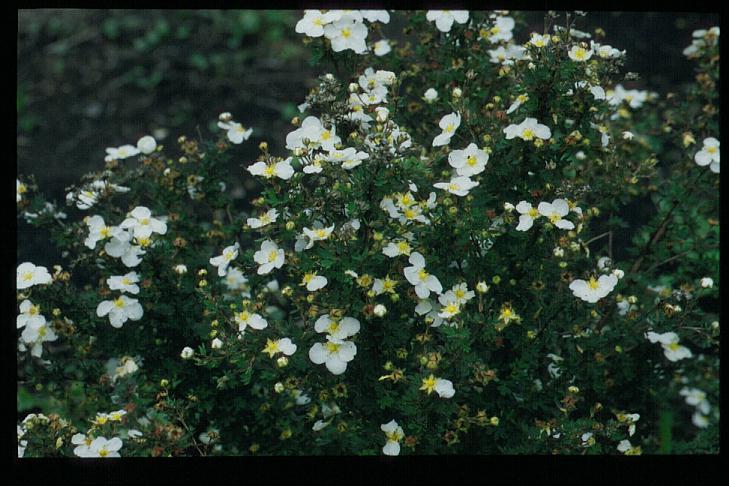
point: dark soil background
(91, 79)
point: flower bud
(457, 92)
(278, 387)
(380, 310)
(282, 362)
(187, 352)
(482, 287)
(216, 344)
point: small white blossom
(125, 283)
(709, 154)
(222, 261)
(282, 169)
(337, 328)
(335, 354)
(264, 219)
(146, 144)
(28, 275)
(423, 281)
(593, 290)
(270, 256)
(448, 124)
(469, 161)
(444, 18)
(528, 130)
(120, 310)
(458, 186)
(670, 343)
(142, 223)
(394, 434)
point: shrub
(446, 261)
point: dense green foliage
(535, 368)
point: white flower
(555, 211)
(120, 310)
(527, 130)
(528, 215)
(236, 132)
(507, 55)
(634, 97)
(430, 95)
(146, 144)
(376, 16)
(697, 398)
(394, 434)
(236, 281)
(20, 189)
(35, 333)
(382, 47)
(282, 170)
(187, 353)
(501, 31)
(222, 261)
(423, 281)
(83, 444)
(127, 367)
(119, 246)
(335, 354)
(143, 224)
(461, 293)
(451, 306)
(29, 275)
(707, 282)
(347, 33)
(397, 248)
(216, 344)
(470, 161)
(266, 218)
(349, 157)
(270, 256)
(245, 319)
(101, 447)
(317, 234)
(283, 345)
(380, 310)
(444, 18)
(709, 154)
(313, 23)
(458, 186)
(670, 343)
(125, 283)
(448, 124)
(337, 328)
(522, 98)
(354, 15)
(29, 312)
(579, 54)
(539, 40)
(625, 446)
(628, 135)
(700, 420)
(444, 388)
(97, 231)
(593, 290)
(120, 153)
(314, 282)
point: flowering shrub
(435, 259)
